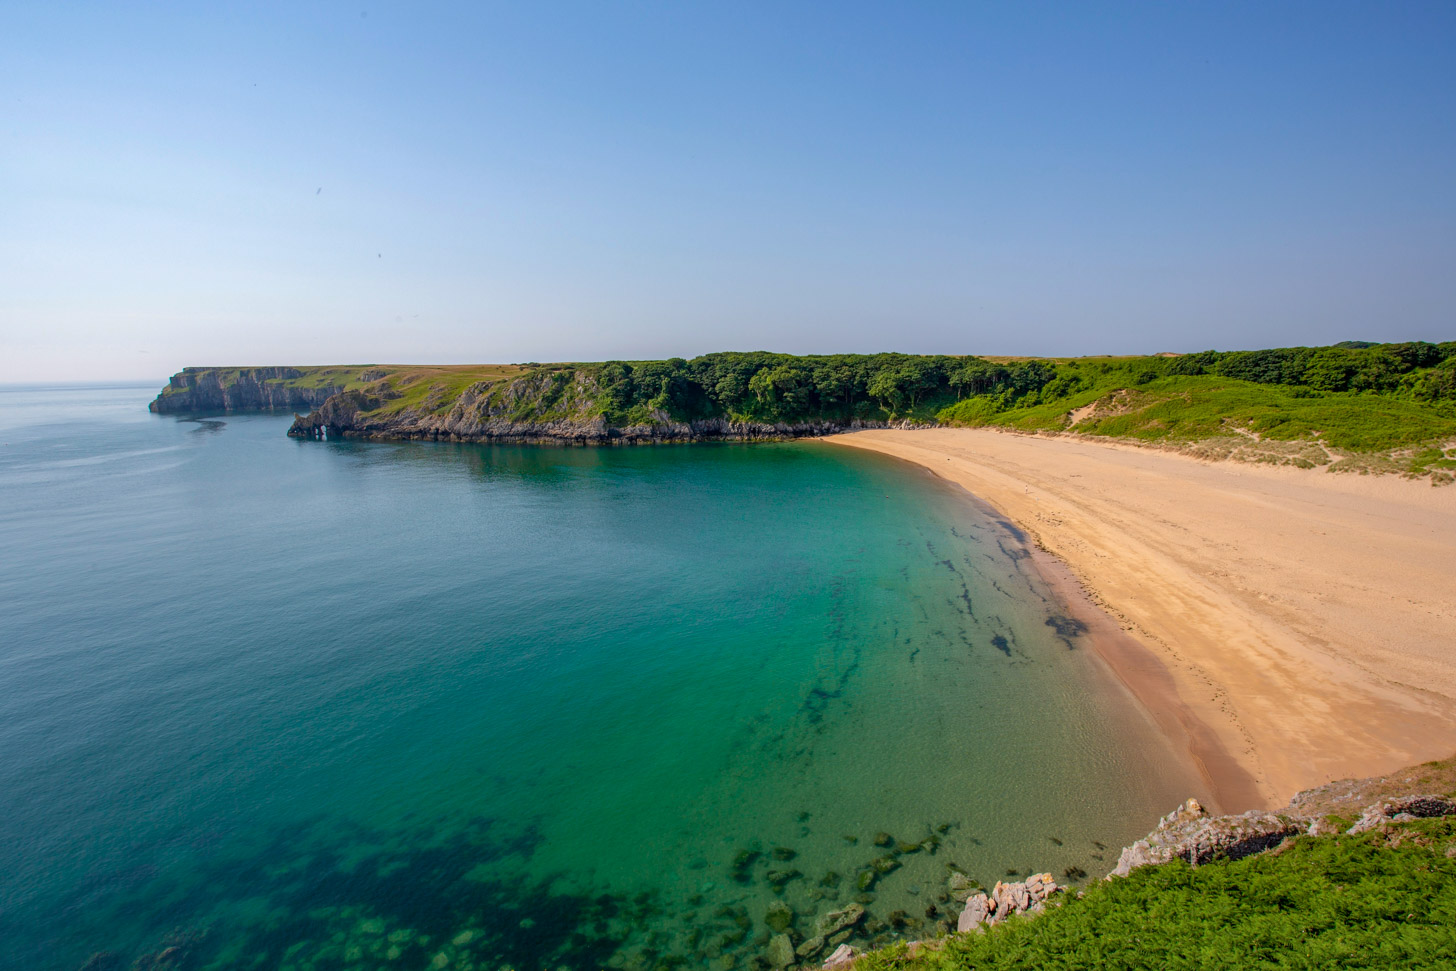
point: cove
(315, 705)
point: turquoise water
(330, 705)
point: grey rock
(1188, 833)
(837, 920)
(1409, 807)
(780, 953)
(843, 955)
(810, 947)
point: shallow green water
(310, 705)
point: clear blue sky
(218, 183)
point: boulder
(842, 956)
(810, 947)
(780, 953)
(978, 908)
(837, 920)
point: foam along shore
(1304, 621)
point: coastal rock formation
(238, 389)
(1410, 807)
(1189, 833)
(1027, 896)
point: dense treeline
(783, 387)
(779, 387)
(1426, 372)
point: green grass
(1367, 901)
(1189, 408)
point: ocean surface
(268, 703)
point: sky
(255, 183)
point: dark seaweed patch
(1067, 628)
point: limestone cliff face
(238, 389)
(536, 408)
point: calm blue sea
(268, 703)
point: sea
(272, 703)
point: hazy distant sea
(326, 705)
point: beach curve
(1287, 627)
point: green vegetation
(1383, 899)
(1391, 405)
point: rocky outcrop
(1188, 833)
(1006, 899)
(238, 389)
(1400, 810)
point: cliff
(242, 389)
(569, 404)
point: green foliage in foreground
(1376, 900)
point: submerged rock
(780, 953)
(780, 916)
(837, 920)
(810, 947)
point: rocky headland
(240, 389)
(567, 405)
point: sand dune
(1307, 618)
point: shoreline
(1282, 627)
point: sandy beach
(1303, 623)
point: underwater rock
(783, 853)
(852, 840)
(830, 879)
(810, 947)
(780, 953)
(907, 847)
(866, 878)
(103, 961)
(884, 839)
(780, 916)
(885, 864)
(777, 878)
(930, 844)
(837, 920)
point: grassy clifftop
(1305, 406)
